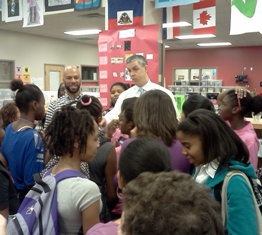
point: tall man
(72, 81)
(137, 68)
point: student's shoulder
(78, 182)
(238, 185)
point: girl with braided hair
(73, 135)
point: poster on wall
(13, 9)
(170, 3)
(58, 5)
(115, 46)
(87, 4)
(33, 13)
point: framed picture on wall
(58, 5)
(13, 10)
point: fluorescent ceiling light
(196, 36)
(214, 44)
(176, 24)
(83, 32)
(166, 46)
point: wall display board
(115, 46)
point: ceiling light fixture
(196, 36)
(211, 44)
(176, 24)
(166, 46)
(83, 32)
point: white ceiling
(55, 26)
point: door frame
(52, 67)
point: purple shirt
(178, 160)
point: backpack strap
(228, 176)
(59, 176)
(69, 173)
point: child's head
(231, 105)
(61, 90)
(29, 99)
(155, 116)
(196, 102)
(10, 113)
(116, 89)
(221, 96)
(92, 105)
(205, 136)
(169, 203)
(72, 131)
(126, 122)
(142, 155)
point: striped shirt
(56, 105)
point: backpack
(256, 194)
(37, 215)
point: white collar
(203, 171)
(146, 87)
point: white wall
(34, 52)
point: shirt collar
(146, 87)
(210, 168)
(71, 98)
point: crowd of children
(165, 176)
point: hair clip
(86, 103)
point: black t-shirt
(7, 191)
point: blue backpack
(37, 215)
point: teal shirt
(241, 217)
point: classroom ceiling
(55, 25)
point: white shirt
(205, 171)
(134, 92)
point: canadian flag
(204, 17)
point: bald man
(72, 81)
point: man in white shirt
(137, 68)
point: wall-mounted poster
(87, 4)
(58, 5)
(33, 13)
(13, 9)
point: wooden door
(53, 76)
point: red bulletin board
(114, 46)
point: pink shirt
(249, 137)
(110, 228)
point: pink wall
(228, 61)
